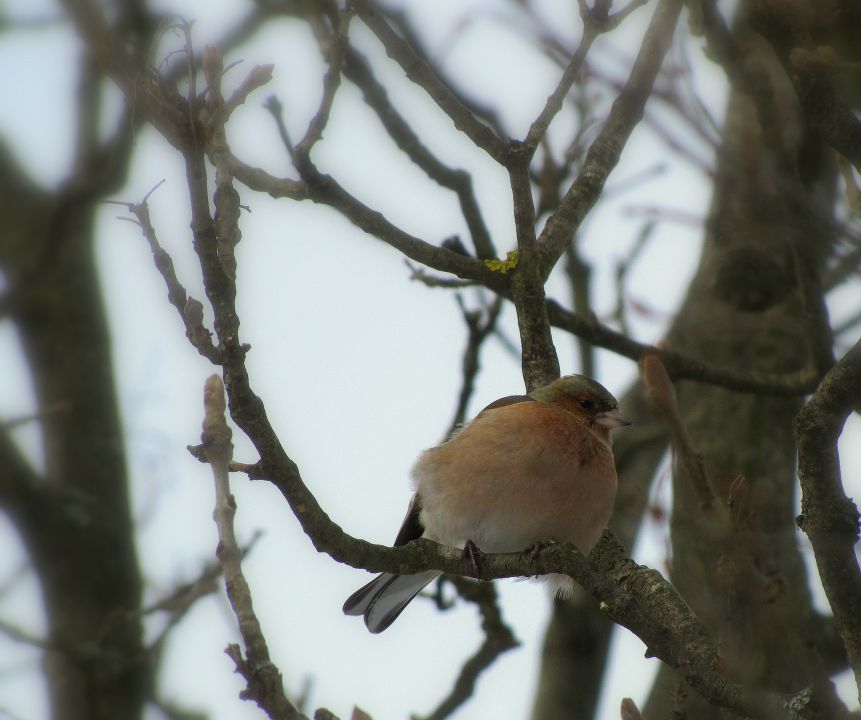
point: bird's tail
(383, 599)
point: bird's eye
(585, 404)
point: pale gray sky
(358, 366)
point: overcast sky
(358, 366)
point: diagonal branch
(358, 71)
(480, 324)
(595, 21)
(422, 74)
(190, 310)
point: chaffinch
(528, 469)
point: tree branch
(190, 310)
(829, 518)
(358, 71)
(680, 365)
(264, 684)
(605, 151)
(422, 74)
(596, 20)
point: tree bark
(754, 304)
(74, 517)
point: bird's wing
(411, 527)
(507, 400)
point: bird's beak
(611, 419)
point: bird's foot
(475, 556)
(533, 550)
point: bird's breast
(515, 476)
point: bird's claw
(473, 553)
(533, 550)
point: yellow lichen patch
(503, 266)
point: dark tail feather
(385, 597)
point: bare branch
(257, 78)
(498, 638)
(264, 684)
(539, 361)
(331, 83)
(829, 518)
(13, 632)
(595, 21)
(605, 151)
(190, 310)
(539, 126)
(433, 281)
(180, 600)
(479, 326)
(325, 189)
(422, 74)
(681, 366)
(358, 71)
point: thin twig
(623, 267)
(595, 21)
(422, 74)
(331, 83)
(256, 78)
(263, 679)
(605, 151)
(182, 598)
(479, 326)
(190, 310)
(498, 638)
(358, 70)
(13, 632)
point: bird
(526, 471)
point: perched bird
(528, 469)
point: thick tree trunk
(74, 518)
(752, 305)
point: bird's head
(585, 398)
